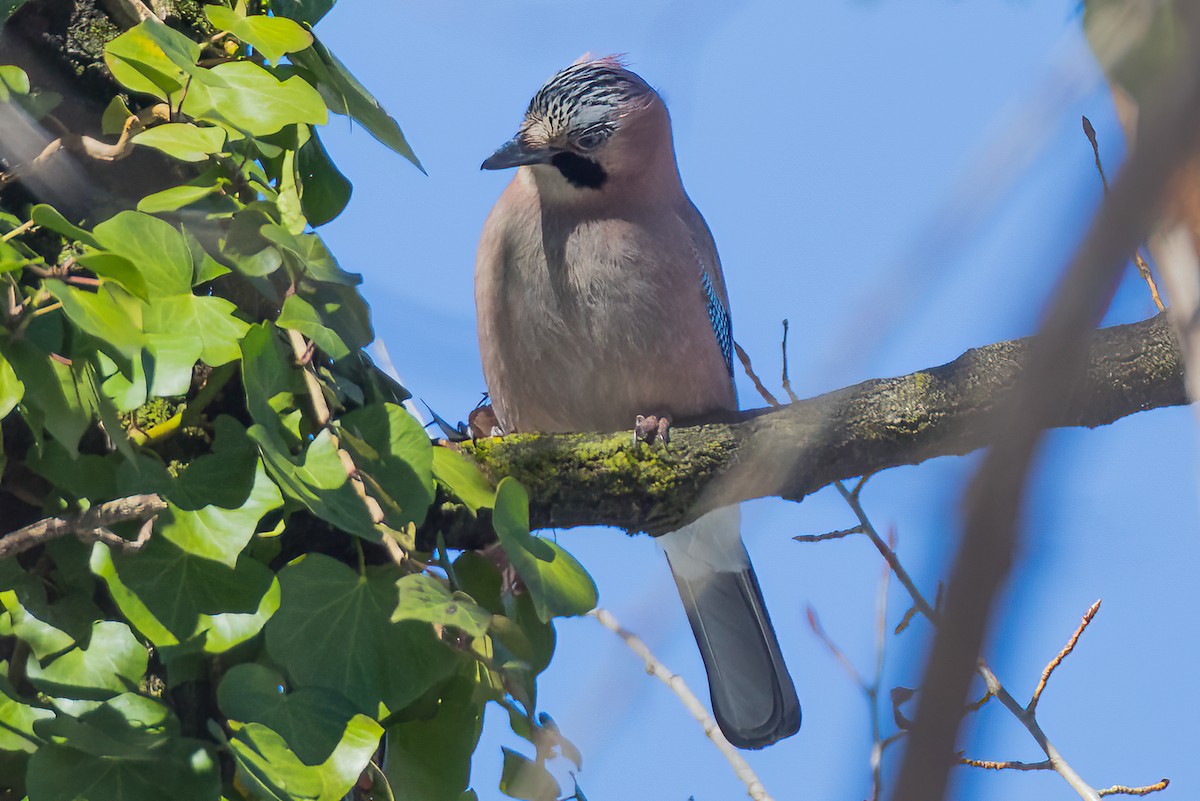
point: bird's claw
(648, 427)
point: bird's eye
(590, 140)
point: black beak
(516, 153)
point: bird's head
(594, 123)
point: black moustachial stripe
(579, 171)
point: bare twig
(1120, 789)
(744, 358)
(786, 381)
(829, 535)
(91, 524)
(1010, 764)
(815, 624)
(1139, 260)
(1057, 660)
(657, 669)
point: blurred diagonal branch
(792, 451)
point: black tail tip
(781, 727)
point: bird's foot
(648, 427)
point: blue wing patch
(718, 317)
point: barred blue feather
(718, 317)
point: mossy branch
(792, 451)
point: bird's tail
(752, 694)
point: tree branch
(91, 524)
(791, 452)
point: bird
(600, 296)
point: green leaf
(525, 779)
(14, 80)
(43, 637)
(299, 315)
(558, 583)
(228, 476)
(221, 534)
(345, 95)
(16, 732)
(430, 760)
(324, 191)
(307, 11)
(174, 597)
(266, 764)
(103, 315)
(268, 377)
(174, 198)
(426, 598)
(11, 388)
(112, 662)
(116, 113)
(245, 96)
(177, 768)
(309, 719)
(271, 36)
(463, 478)
(246, 248)
(152, 58)
(401, 462)
(209, 318)
(155, 247)
(183, 140)
(319, 482)
(52, 397)
(48, 217)
(116, 268)
(333, 630)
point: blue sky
(902, 182)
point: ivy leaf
(217, 533)
(433, 756)
(154, 247)
(463, 478)
(558, 583)
(175, 198)
(11, 388)
(307, 11)
(17, 732)
(299, 315)
(152, 58)
(271, 36)
(426, 598)
(59, 407)
(111, 662)
(209, 318)
(49, 217)
(402, 462)
(13, 80)
(319, 481)
(113, 321)
(345, 95)
(266, 764)
(247, 97)
(174, 597)
(324, 191)
(183, 140)
(151, 760)
(523, 778)
(333, 630)
(309, 719)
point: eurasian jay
(600, 296)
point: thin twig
(1010, 764)
(657, 669)
(1120, 789)
(786, 381)
(878, 743)
(744, 358)
(1139, 260)
(829, 535)
(1063, 654)
(85, 524)
(815, 624)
